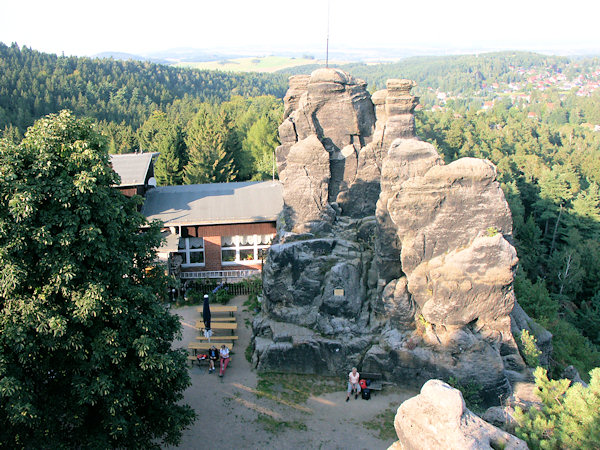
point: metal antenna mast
(327, 50)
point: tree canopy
(85, 338)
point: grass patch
(296, 388)
(251, 304)
(277, 426)
(248, 352)
(383, 424)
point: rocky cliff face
(387, 258)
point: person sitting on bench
(353, 384)
(213, 355)
(224, 353)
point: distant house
(136, 171)
(217, 230)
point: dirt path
(232, 416)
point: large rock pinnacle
(387, 258)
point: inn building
(218, 230)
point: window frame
(255, 247)
(187, 251)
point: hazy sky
(86, 27)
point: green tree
(209, 161)
(528, 347)
(85, 338)
(261, 142)
(160, 135)
(588, 319)
(568, 418)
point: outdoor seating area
(223, 325)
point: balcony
(219, 274)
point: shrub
(529, 349)
(471, 393)
(222, 296)
(568, 418)
(492, 231)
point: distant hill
(33, 84)
(267, 64)
(121, 56)
(178, 55)
(458, 73)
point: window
(247, 249)
(191, 251)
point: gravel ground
(232, 416)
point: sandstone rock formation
(386, 258)
(438, 418)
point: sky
(141, 27)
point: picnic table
(220, 309)
(218, 325)
(218, 338)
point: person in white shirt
(353, 378)
(224, 353)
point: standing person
(224, 353)
(206, 317)
(353, 378)
(213, 355)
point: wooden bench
(194, 359)
(219, 309)
(217, 339)
(222, 319)
(218, 325)
(376, 380)
(206, 345)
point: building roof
(218, 203)
(170, 244)
(132, 167)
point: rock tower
(386, 258)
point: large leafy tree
(85, 339)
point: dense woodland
(198, 120)
(550, 176)
(212, 126)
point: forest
(538, 129)
(195, 119)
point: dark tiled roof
(218, 203)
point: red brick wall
(212, 252)
(212, 242)
(232, 230)
(129, 191)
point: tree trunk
(555, 230)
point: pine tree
(568, 418)
(158, 134)
(209, 161)
(261, 142)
